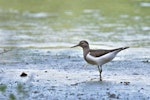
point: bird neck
(86, 51)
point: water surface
(57, 24)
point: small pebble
(23, 74)
(125, 83)
(135, 73)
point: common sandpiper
(98, 57)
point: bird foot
(100, 79)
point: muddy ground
(62, 74)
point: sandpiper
(98, 57)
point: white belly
(102, 59)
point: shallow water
(55, 24)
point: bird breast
(91, 59)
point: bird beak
(75, 46)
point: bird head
(83, 44)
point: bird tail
(120, 49)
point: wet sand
(64, 75)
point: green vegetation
(20, 90)
(3, 88)
(12, 97)
(107, 7)
(46, 18)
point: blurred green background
(62, 23)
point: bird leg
(100, 71)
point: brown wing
(101, 52)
